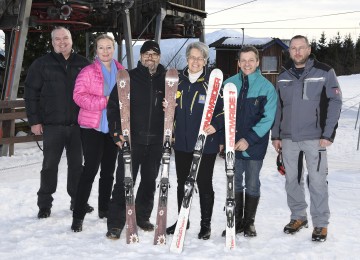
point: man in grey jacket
(308, 111)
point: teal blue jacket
(256, 109)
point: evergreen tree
(322, 47)
(357, 56)
(348, 55)
(333, 57)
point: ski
(123, 86)
(171, 85)
(230, 98)
(215, 81)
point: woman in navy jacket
(191, 95)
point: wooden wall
(226, 60)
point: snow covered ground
(23, 236)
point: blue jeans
(252, 176)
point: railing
(12, 110)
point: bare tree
(171, 60)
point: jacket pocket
(312, 88)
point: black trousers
(147, 159)
(55, 139)
(99, 149)
(205, 174)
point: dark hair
(248, 49)
(300, 37)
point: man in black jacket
(147, 82)
(52, 112)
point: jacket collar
(202, 77)
(159, 70)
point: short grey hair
(202, 47)
(59, 28)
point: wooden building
(270, 51)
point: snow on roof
(247, 41)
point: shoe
(250, 231)
(170, 230)
(319, 234)
(114, 233)
(103, 214)
(88, 208)
(145, 225)
(239, 228)
(44, 213)
(295, 225)
(205, 232)
(76, 225)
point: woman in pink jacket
(92, 89)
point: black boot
(77, 225)
(180, 195)
(170, 230)
(239, 209)
(251, 204)
(206, 206)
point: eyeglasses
(198, 59)
(153, 55)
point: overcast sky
(253, 14)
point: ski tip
(172, 72)
(122, 73)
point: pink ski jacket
(89, 94)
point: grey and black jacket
(308, 105)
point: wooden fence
(12, 110)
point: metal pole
(159, 20)
(358, 140)
(128, 39)
(357, 117)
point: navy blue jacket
(190, 105)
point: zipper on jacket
(151, 108)
(192, 102)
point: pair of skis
(214, 86)
(230, 97)
(123, 85)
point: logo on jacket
(337, 91)
(202, 99)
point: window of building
(269, 64)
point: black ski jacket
(146, 110)
(49, 87)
